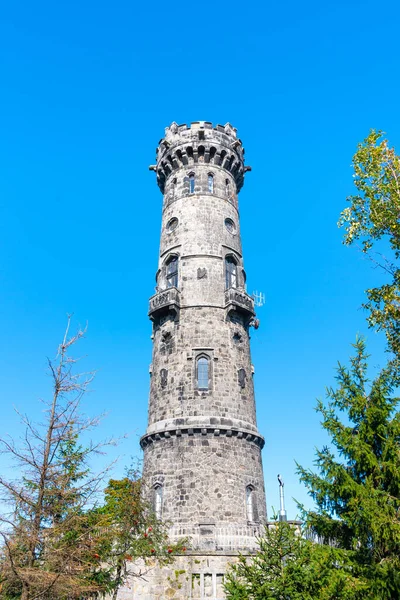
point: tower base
(195, 576)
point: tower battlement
(200, 143)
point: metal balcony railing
(219, 538)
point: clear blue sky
(87, 89)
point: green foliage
(50, 548)
(287, 566)
(56, 543)
(356, 488)
(373, 215)
(131, 531)
(47, 548)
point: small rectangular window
(220, 586)
(210, 183)
(208, 586)
(191, 184)
(172, 190)
(196, 589)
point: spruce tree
(287, 566)
(356, 486)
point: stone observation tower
(202, 448)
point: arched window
(191, 183)
(210, 183)
(172, 272)
(230, 272)
(158, 500)
(250, 503)
(202, 373)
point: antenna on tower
(282, 512)
(259, 298)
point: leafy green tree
(356, 487)
(133, 540)
(288, 566)
(373, 215)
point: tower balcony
(164, 302)
(212, 537)
(238, 300)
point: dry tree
(47, 534)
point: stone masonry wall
(205, 478)
(201, 329)
(190, 577)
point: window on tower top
(172, 192)
(191, 183)
(210, 183)
(172, 272)
(230, 272)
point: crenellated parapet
(185, 146)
